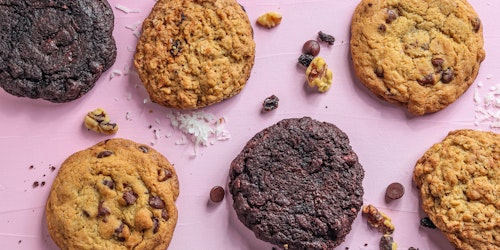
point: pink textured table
(388, 141)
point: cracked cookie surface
(298, 184)
(194, 53)
(54, 50)
(459, 182)
(117, 194)
(422, 55)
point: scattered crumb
(31, 167)
(52, 168)
(36, 184)
(42, 183)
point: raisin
(270, 103)
(426, 222)
(305, 59)
(326, 38)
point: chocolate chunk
(156, 202)
(426, 80)
(101, 210)
(447, 76)
(270, 103)
(155, 224)
(394, 191)
(217, 194)
(164, 214)
(108, 183)
(144, 149)
(118, 232)
(164, 174)
(326, 38)
(426, 222)
(391, 16)
(105, 153)
(130, 197)
(437, 62)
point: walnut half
(270, 19)
(98, 121)
(319, 75)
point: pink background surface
(387, 139)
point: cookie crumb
(98, 121)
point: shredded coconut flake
(126, 9)
(128, 116)
(487, 106)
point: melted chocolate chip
(382, 28)
(101, 210)
(105, 153)
(155, 224)
(144, 149)
(437, 62)
(156, 202)
(130, 197)
(164, 174)
(108, 183)
(447, 76)
(426, 80)
(164, 214)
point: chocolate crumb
(31, 167)
(42, 184)
(36, 184)
(52, 168)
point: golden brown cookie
(117, 194)
(459, 181)
(194, 53)
(419, 54)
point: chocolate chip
(391, 16)
(426, 80)
(326, 38)
(101, 210)
(108, 183)
(270, 103)
(119, 229)
(395, 191)
(305, 59)
(447, 76)
(382, 28)
(217, 194)
(311, 47)
(437, 62)
(130, 197)
(164, 174)
(155, 224)
(85, 213)
(144, 149)
(156, 202)
(426, 222)
(379, 71)
(105, 153)
(164, 214)
(476, 24)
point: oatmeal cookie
(117, 194)
(54, 50)
(459, 182)
(419, 54)
(194, 53)
(298, 184)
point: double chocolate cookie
(422, 55)
(195, 53)
(54, 50)
(117, 194)
(298, 184)
(459, 182)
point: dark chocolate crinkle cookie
(298, 184)
(54, 50)
(117, 194)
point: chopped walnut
(378, 220)
(319, 75)
(387, 243)
(269, 19)
(98, 121)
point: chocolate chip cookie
(298, 184)
(459, 182)
(195, 53)
(422, 55)
(117, 194)
(54, 50)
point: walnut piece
(269, 19)
(98, 121)
(319, 75)
(378, 220)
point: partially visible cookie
(117, 194)
(459, 181)
(194, 53)
(422, 55)
(55, 50)
(298, 184)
